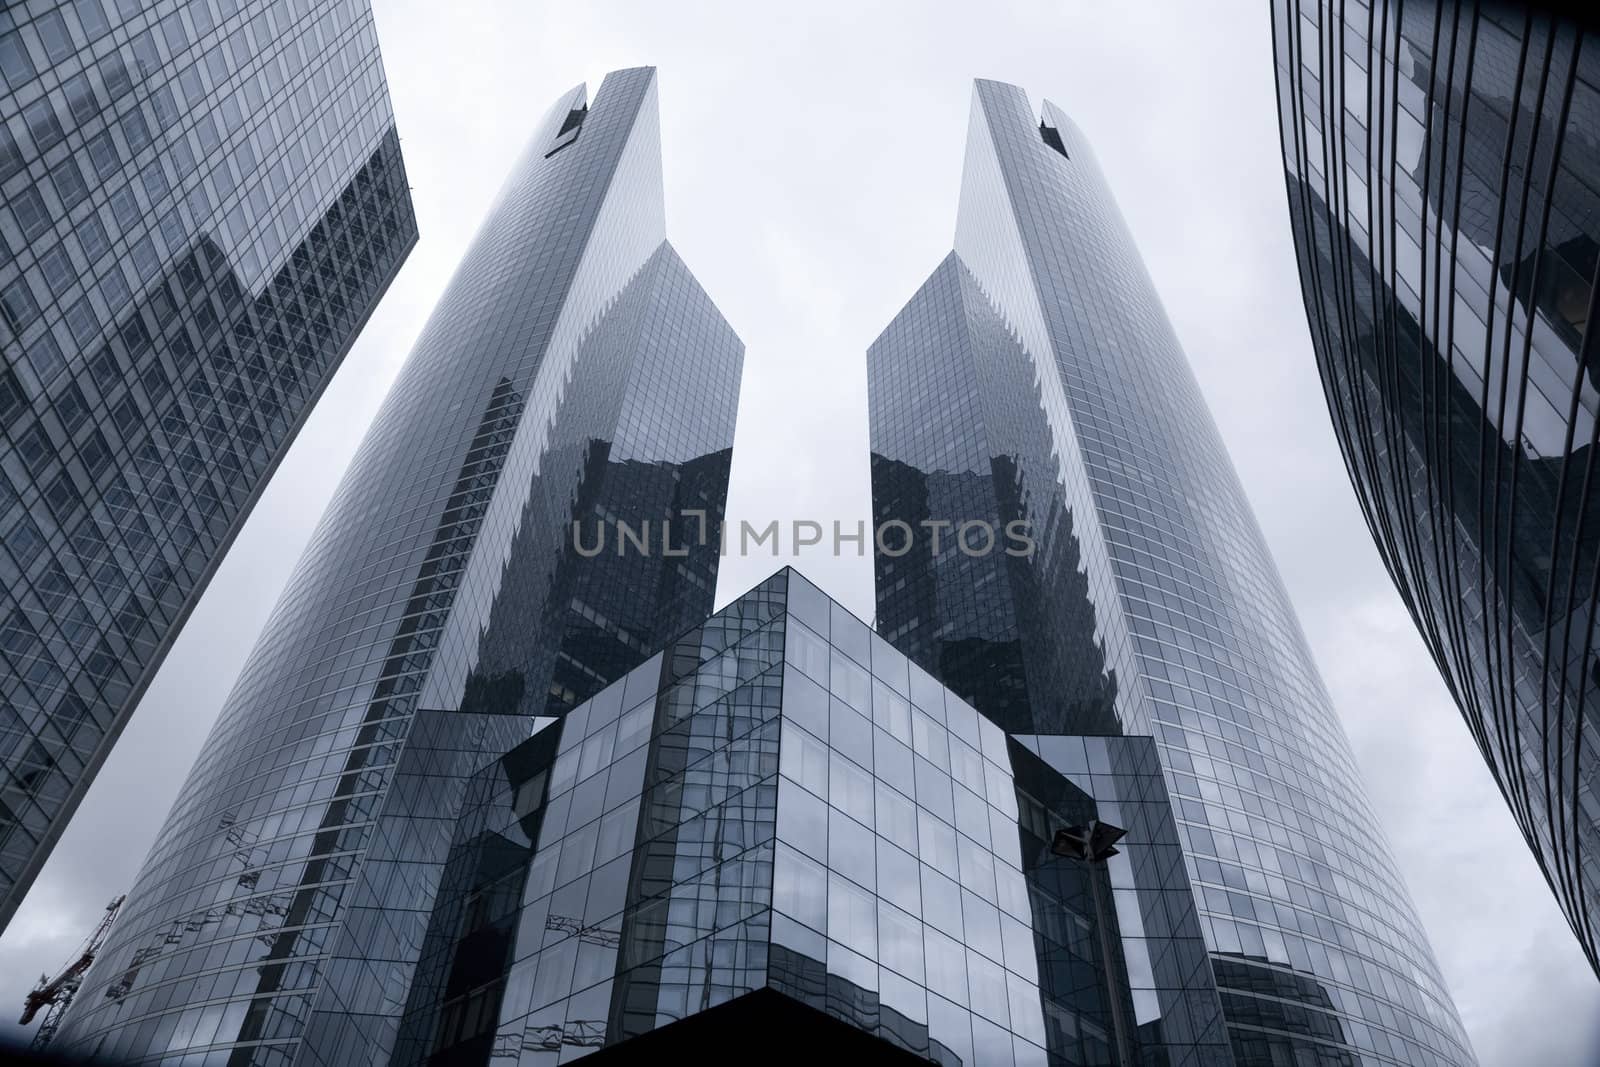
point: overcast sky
(812, 156)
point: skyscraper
(1034, 378)
(200, 205)
(1443, 168)
(778, 837)
(572, 372)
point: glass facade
(572, 373)
(1034, 378)
(1443, 168)
(780, 801)
(200, 204)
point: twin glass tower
(482, 796)
(1035, 377)
(572, 369)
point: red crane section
(52, 995)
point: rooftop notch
(1052, 137)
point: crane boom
(53, 995)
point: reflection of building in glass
(1035, 377)
(950, 390)
(200, 205)
(1443, 169)
(572, 371)
(779, 817)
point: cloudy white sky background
(812, 156)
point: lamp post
(1093, 844)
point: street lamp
(1093, 844)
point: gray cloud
(813, 155)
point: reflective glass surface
(200, 204)
(573, 371)
(781, 801)
(1035, 377)
(1443, 167)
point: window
(114, 73)
(114, 288)
(83, 322)
(81, 100)
(206, 130)
(62, 496)
(25, 542)
(852, 916)
(217, 64)
(17, 306)
(15, 66)
(529, 796)
(851, 789)
(53, 32)
(145, 260)
(103, 154)
(29, 210)
(92, 17)
(200, 15)
(70, 713)
(10, 399)
(172, 29)
(35, 449)
(45, 357)
(92, 238)
(95, 453)
(800, 888)
(68, 180)
(155, 180)
(191, 85)
(43, 124)
(126, 416)
(135, 129)
(146, 55)
(125, 208)
(10, 154)
(165, 106)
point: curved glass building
(200, 205)
(573, 372)
(1443, 168)
(1035, 379)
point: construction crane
(54, 995)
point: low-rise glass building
(779, 820)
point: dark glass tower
(778, 836)
(200, 205)
(1443, 167)
(1034, 378)
(573, 370)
